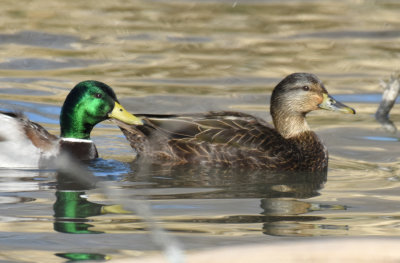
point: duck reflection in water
(283, 213)
(82, 256)
(233, 182)
(72, 208)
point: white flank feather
(16, 150)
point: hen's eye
(98, 95)
(306, 88)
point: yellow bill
(123, 115)
(114, 209)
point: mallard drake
(239, 139)
(24, 143)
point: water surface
(191, 56)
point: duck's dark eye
(306, 88)
(98, 95)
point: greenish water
(193, 56)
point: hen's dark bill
(329, 103)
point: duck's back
(22, 142)
(219, 138)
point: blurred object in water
(389, 96)
(72, 208)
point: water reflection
(285, 217)
(283, 213)
(71, 211)
(231, 183)
(72, 208)
(280, 195)
(82, 256)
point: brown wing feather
(214, 137)
(39, 136)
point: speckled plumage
(238, 139)
(241, 140)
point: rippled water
(191, 56)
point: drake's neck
(74, 125)
(290, 126)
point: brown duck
(239, 139)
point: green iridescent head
(89, 103)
